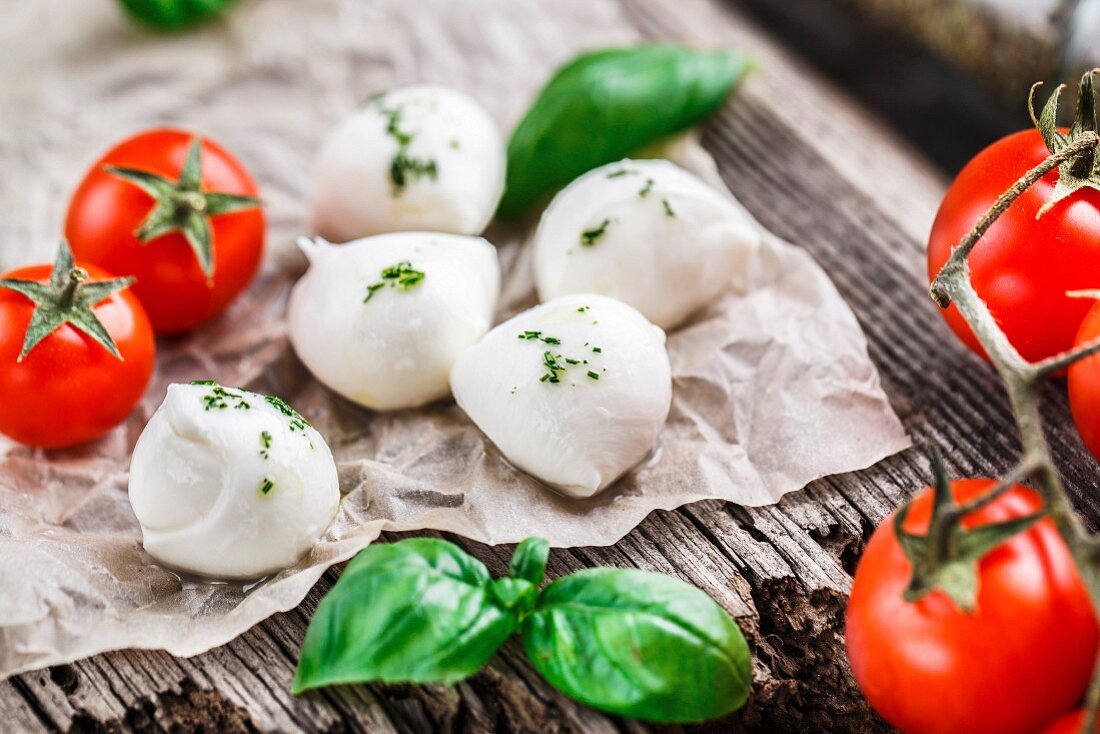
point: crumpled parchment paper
(773, 387)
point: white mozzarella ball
(230, 484)
(574, 391)
(645, 232)
(381, 320)
(422, 157)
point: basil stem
(605, 105)
(172, 14)
(629, 642)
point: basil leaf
(166, 14)
(529, 561)
(639, 644)
(420, 611)
(605, 105)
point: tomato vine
(1023, 379)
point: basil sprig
(607, 104)
(629, 642)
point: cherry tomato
(1021, 658)
(1023, 266)
(69, 388)
(1084, 385)
(107, 210)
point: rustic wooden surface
(815, 170)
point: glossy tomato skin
(106, 211)
(1068, 724)
(1022, 658)
(1023, 266)
(69, 389)
(1084, 385)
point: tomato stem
(1023, 381)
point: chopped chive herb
(265, 441)
(582, 309)
(553, 368)
(593, 375)
(297, 422)
(597, 350)
(590, 237)
(402, 275)
(647, 188)
(621, 172)
(266, 486)
(405, 168)
(668, 208)
(220, 398)
(537, 335)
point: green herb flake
(590, 237)
(597, 350)
(402, 275)
(266, 486)
(668, 208)
(405, 168)
(537, 335)
(297, 422)
(221, 398)
(582, 309)
(593, 375)
(265, 442)
(644, 192)
(622, 172)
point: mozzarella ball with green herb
(421, 157)
(574, 391)
(645, 232)
(230, 484)
(381, 320)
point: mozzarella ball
(645, 232)
(422, 157)
(230, 484)
(573, 391)
(381, 320)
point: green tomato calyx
(66, 299)
(182, 206)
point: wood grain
(817, 171)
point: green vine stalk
(1023, 381)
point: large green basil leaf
(174, 13)
(605, 105)
(419, 611)
(639, 644)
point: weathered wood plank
(811, 167)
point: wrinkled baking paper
(773, 386)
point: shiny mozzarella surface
(396, 349)
(445, 149)
(645, 232)
(604, 412)
(230, 492)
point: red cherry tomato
(1084, 385)
(1021, 658)
(1072, 723)
(1023, 266)
(69, 388)
(106, 212)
